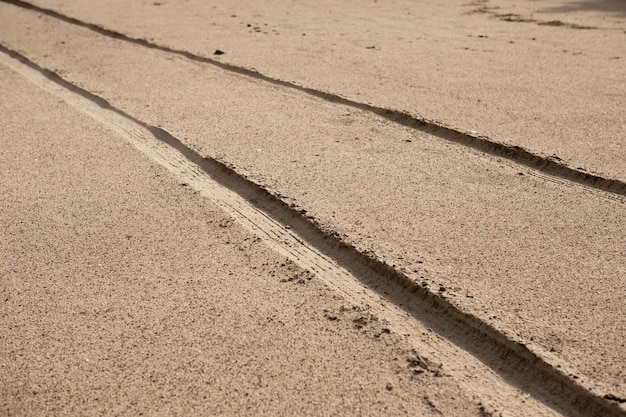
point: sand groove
(548, 165)
(410, 310)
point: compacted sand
(305, 222)
(126, 293)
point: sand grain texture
(538, 258)
(545, 84)
(125, 292)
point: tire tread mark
(554, 167)
(511, 360)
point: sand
(545, 76)
(538, 259)
(125, 292)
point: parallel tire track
(547, 165)
(409, 308)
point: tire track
(552, 166)
(461, 346)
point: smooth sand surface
(536, 257)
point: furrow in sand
(469, 349)
(552, 166)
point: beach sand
(336, 215)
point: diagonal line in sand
(473, 349)
(548, 166)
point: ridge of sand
(513, 361)
(258, 168)
(551, 165)
(552, 90)
(125, 292)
